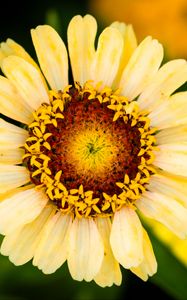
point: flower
(93, 154)
(164, 20)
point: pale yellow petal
(2, 56)
(107, 57)
(11, 156)
(171, 112)
(12, 177)
(130, 44)
(52, 56)
(20, 209)
(172, 135)
(11, 136)
(12, 104)
(126, 238)
(27, 79)
(10, 47)
(177, 246)
(169, 78)
(85, 249)
(170, 185)
(109, 272)
(148, 267)
(51, 252)
(141, 68)
(81, 38)
(14, 191)
(165, 210)
(20, 245)
(172, 158)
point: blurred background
(165, 20)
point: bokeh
(164, 20)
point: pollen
(90, 150)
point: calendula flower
(92, 153)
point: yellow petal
(11, 156)
(141, 68)
(177, 246)
(27, 79)
(51, 252)
(10, 47)
(12, 177)
(170, 185)
(148, 267)
(126, 238)
(171, 135)
(12, 104)
(172, 158)
(109, 272)
(11, 136)
(20, 209)
(81, 38)
(52, 56)
(169, 78)
(171, 112)
(85, 249)
(130, 44)
(107, 57)
(165, 210)
(20, 245)
(14, 191)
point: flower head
(92, 153)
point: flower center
(90, 151)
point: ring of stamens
(78, 139)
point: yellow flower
(164, 20)
(92, 154)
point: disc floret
(91, 150)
